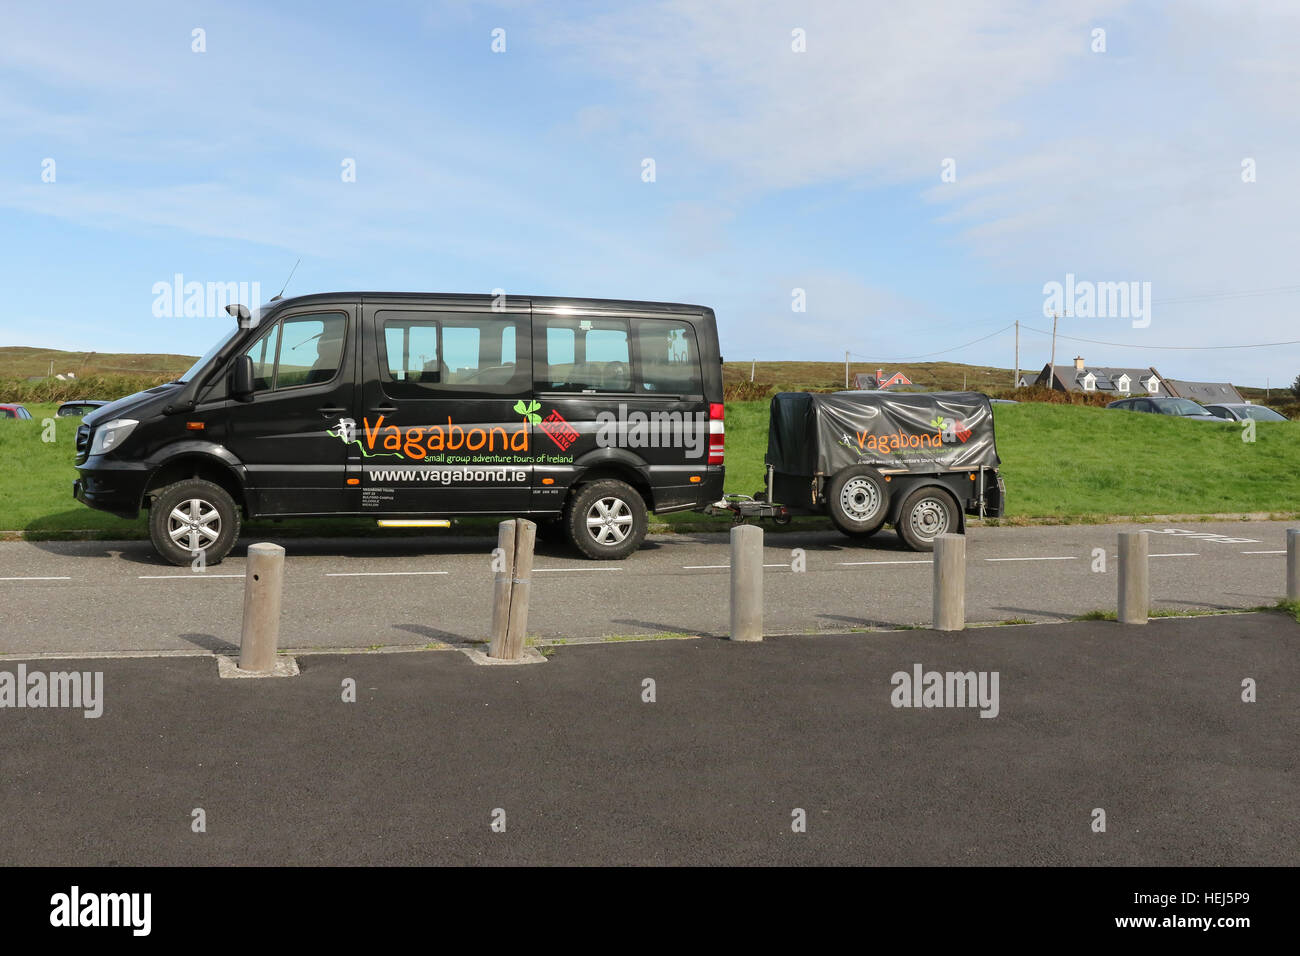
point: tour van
(412, 409)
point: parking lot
(94, 596)
(1145, 724)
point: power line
(1177, 348)
(955, 348)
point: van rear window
(669, 361)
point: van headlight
(107, 437)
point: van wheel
(605, 520)
(193, 515)
(857, 500)
(926, 513)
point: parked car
(78, 408)
(1239, 412)
(14, 411)
(1179, 407)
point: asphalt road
(1145, 723)
(83, 597)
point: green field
(1060, 462)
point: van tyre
(605, 520)
(858, 500)
(193, 515)
(927, 513)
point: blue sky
(775, 170)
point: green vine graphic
(529, 411)
(341, 435)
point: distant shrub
(1050, 396)
(92, 387)
(745, 391)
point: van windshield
(207, 356)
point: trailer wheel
(193, 516)
(606, 520)
(857, 500)
(926, 513)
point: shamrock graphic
(529, 410)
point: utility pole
(752, 363)
(1051, 382)
(846, 369)
(1015, 382)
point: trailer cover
(811, 434)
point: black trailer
(918, 461)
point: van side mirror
(241, 379)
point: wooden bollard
(1134, 577)
(949, 604)
(1293, 564)
(504, 562)
(263, 581)
(511, 590)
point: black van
(585, 414)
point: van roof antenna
(280, 295)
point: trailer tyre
(858, 500)
(606, 520)
(193, 516)
(927, 513)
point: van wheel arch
(200, 467)
(614, 472)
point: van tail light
(717, 432)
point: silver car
(1239, 412)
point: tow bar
(743, 507)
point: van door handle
(386, 409)
(329, 411)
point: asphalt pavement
(575, 765)
(102, 596)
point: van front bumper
(113, 486)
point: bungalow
(879, 380)
(1120, 382)
(1207, 393)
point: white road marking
(197, 576)
(931, 561)
(577, 569)
(35, 579)
(1283, 551)
(1068, 557)
(722, 567)
(376, 574)
(1178, 554)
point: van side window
(585, 355)
(669, 362)
(262, 352)
(429, 353)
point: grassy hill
(1060, 462)
(1081, 463)
(935, 376)
(21, 362)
